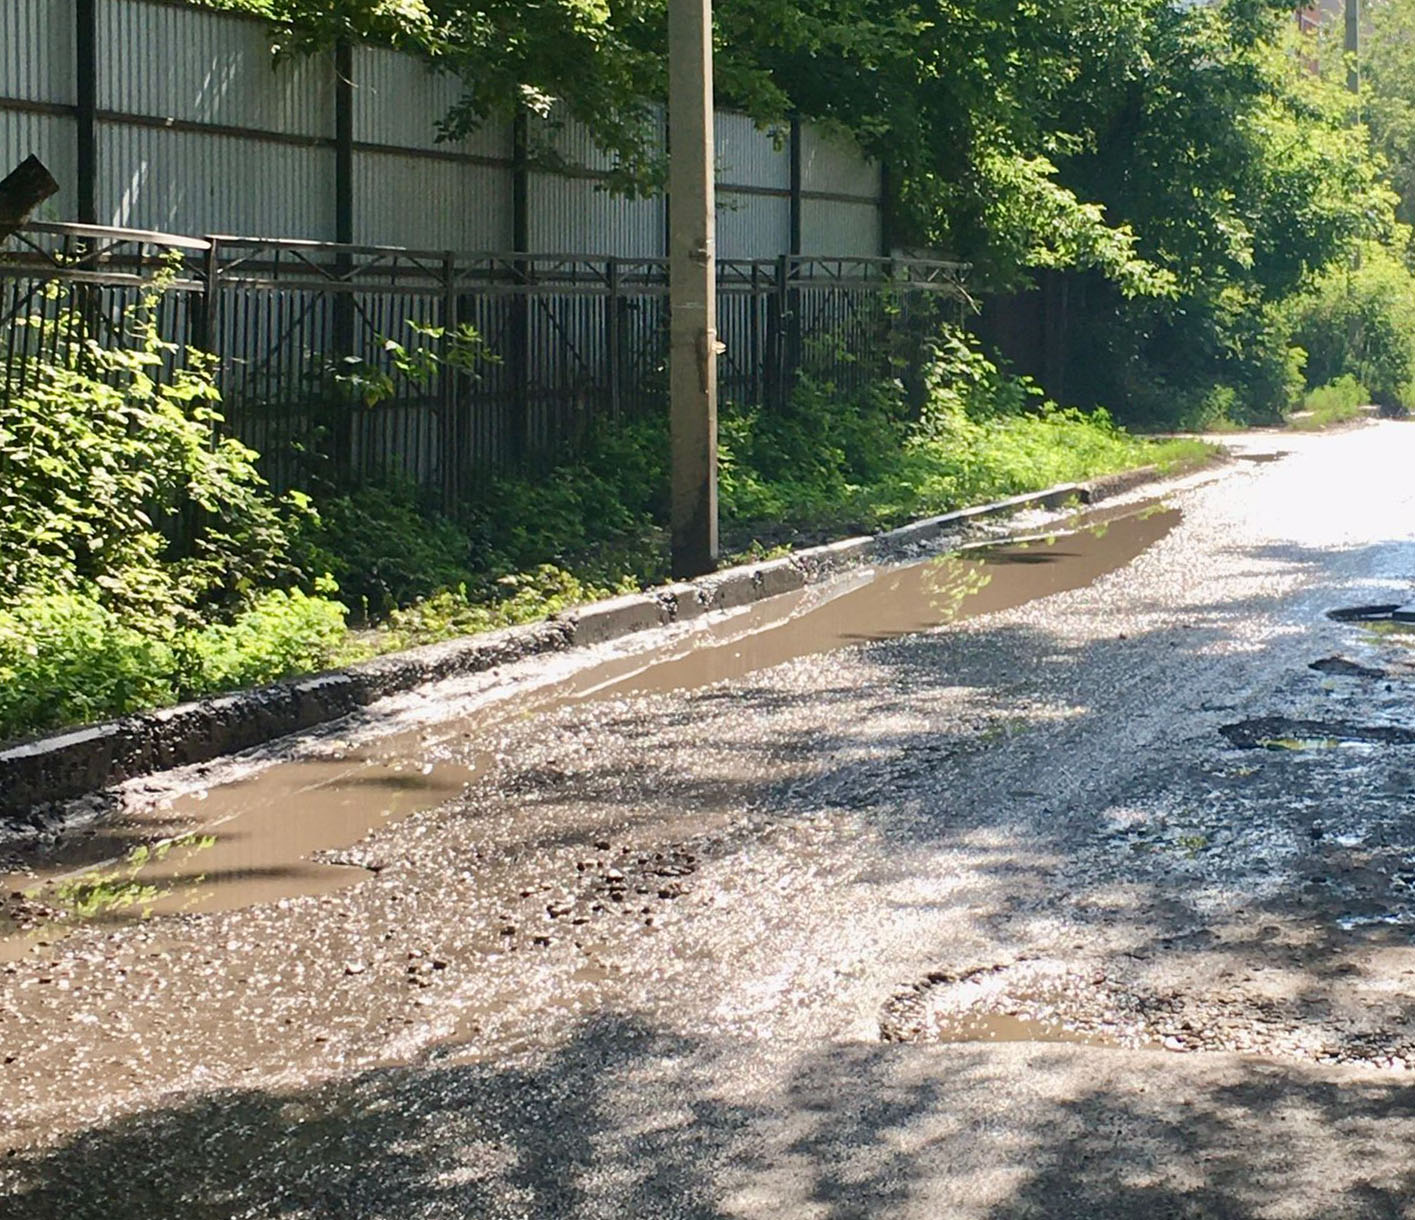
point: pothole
(1291, 733)
(1364, 614)
(1342, 668)
(1054, 1002)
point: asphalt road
(1097, 905)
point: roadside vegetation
(1229, 227)
(140, 564)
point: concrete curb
(66, 765)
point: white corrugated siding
(186, 182)
(37, 50)
(835, 163)
(398, 101)
(576, 216)
(749, 157)
(189, 65)
(752, 226)
(51, 138)
(430, 204)
(835, 227)
(207, 67)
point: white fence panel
(202, 131)
(397, 102)
(430, 204)
(578, 216)
(197, 182)
(834, 163)
(37, 50)
(841, 227)
(753, 226)
(204, 67)
(747, 156)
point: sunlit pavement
(1100, 904)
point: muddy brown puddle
(252, 841)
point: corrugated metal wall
(840, 212)
(200, 130)
(37, 50)
(37, 67)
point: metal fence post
(790, 276)
(754, 337)
(452, 439)
(614, 338)
(777, 324)
(520, 362)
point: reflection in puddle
(252, 841)
(885, 604)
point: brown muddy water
(1010, 1027)
(280, 832)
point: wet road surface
(1096, 900)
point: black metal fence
(341, 362)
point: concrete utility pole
(692, 291)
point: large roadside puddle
(279, 833)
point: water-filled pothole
(1340, 667)
(1292, 733)
(1378, 612)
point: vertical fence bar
(450, 430)
(206, 317)
(521, 305)
(777, 320)
(795, 153)
(793, 305)
(86, 109)
(754, 338)
(520, 321)
(613, 337)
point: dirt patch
(1094, 1005)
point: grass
(100, 892)
(1337, 402)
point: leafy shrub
(99, 449)
(384, 546)
(65, 658)
(1333, 403)
(280, 633)
(141, 554)
(1360, 321)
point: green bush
(1360, 322)
(65, 658)
(142, 557)
(280, 633)
(1333, 403)
(99, 450)
(384, 546)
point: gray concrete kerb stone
(619, 616)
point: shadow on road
(624, 1121)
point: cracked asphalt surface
(993, 920)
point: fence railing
(340, 362)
